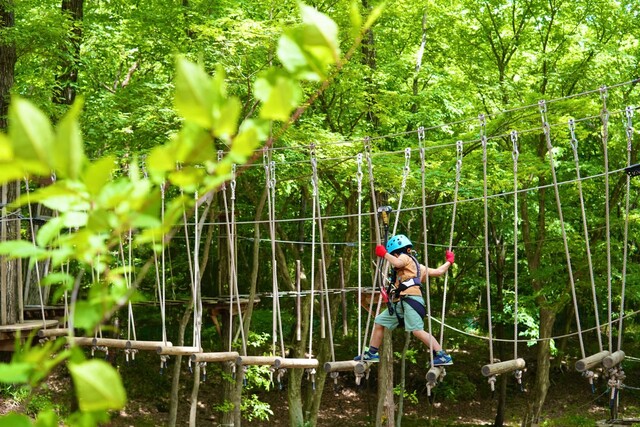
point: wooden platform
(8, 332)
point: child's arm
(437, 272)
(395, 262)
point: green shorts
(412, 320)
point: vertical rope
(374, 203)
(547, 133)
(453, 222)
(163, 299)
(197, 318)
(483, 139)
(426, 244)
(405, 173)
(604, 116)
(314, 194)
(515, 154)
(272, 168)
(325, 293)
(574, 146)
(234, 257)
(629, 133)
(359, 178)
(36, 265)
(189, 261)
(223, 190)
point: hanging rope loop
(459, 151)
(359, 174)
(421, 136)
(233, 182)
(223, 186)
(514, 142)
(629, 129)
(574, 140)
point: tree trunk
(386, 409)
(8, 60)
(547, 317)
(65, 92)
(175, 380)
(10, 301)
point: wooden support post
(589, 362)
(177, 350)
(434, 373)
(256, 360)
(56, 332)
(281, 363)
(613, 359)
(215, 357)
(348, 365)
(147, 345)
(503, 367)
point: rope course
(610, 359)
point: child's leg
(376, 335)
(427, 339)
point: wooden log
(110, 342)
(589, 362)
(434, 373)
(256, 360)
(215, 357)
(347, 365)
(282, 362)
(85, 341)
(147, 345)
(177, 350)
(613, 359)
(502, 367)
(56, 332)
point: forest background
(436, 65)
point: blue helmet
(398, 241)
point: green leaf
(57, 196)
(245, 143)
(226, 124)
(31, 133)
(279, 94)
(98, 386)
(161, 160)
(58, 278)
(321, 33)
(86, 315)
(98, 174)
(47, 418)
(194, 97)
(15, 420)
(293, 58)
(11, 172)
(15, 372)
(68, 153)
(20, 249)
(356, 19)
(374, 15)
(49, 231)
(6, 150)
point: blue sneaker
(441, 358)
(368, 357)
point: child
(407, 307)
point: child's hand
(381, 251)
(450, 256)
